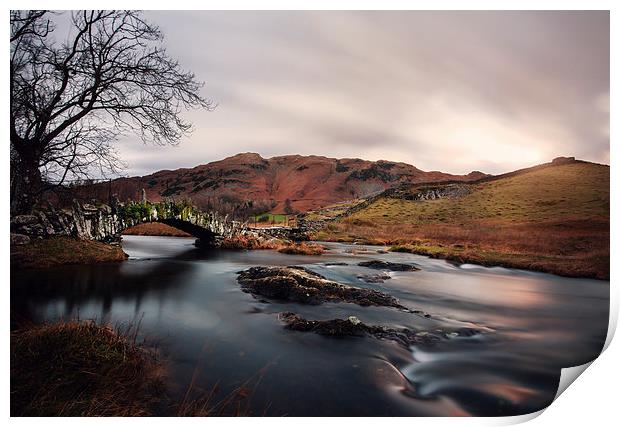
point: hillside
(306, 181)
(551, 218)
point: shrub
(250, 242)
(302, 249)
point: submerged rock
(385, 265)
(353, 327)
(304, 286)
(374, 278)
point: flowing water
(220, 341)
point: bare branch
(70, 101)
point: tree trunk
(26, 183)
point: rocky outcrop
(429, 192)
(404, 192)
(300, 285)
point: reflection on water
(188, 303)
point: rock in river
(374, 278)
(390, 266)
(353, 327)
(300, 285)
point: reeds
(82, 369)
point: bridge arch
(98, 221)
(204, 236)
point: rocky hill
(277, 184)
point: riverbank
(551, 218)
(82, 369)
(44, 253)
(571, 249)
(568, 266)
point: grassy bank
(155, 229)
(43, 253)
(554, 219)
(81, 369)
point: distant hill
(305, 181)
(552, 217)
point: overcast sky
(449, 91)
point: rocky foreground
(298, 284)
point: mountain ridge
(280, 183)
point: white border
(592, 400)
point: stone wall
(295, 234)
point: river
(222, 342)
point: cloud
(450, 91)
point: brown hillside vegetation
(306, 181)
(554, 219)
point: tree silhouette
(288, 208)
(70, 101)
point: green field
(271, 218)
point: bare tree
(70, 101)
(288, 208)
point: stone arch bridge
(102, 222)
(105, 223)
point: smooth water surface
(219, 339)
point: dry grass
(235, 403)
(82, 369)
(302, 249)
(43, 253)
(250, 242)
(555, 220)
(155, 229)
